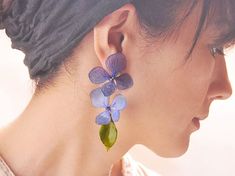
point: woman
(110, 74)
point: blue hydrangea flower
(112, 112)
(115, 64)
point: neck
(57, 135)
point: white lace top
(130, 167)
(5, 169)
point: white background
(212, 148)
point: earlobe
(110, 32)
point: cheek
(169, 98)
(197, 76)
(187, 89)
(164, 99)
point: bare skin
(56, 134)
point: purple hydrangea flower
(115, 64)
(112, 112)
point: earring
(115, 64)
(113, 79)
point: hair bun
(4, 6)
(1, 14)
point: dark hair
(158, 18)
(1, 13)
(4, 6)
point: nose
(220, 87)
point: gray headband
(47, 30)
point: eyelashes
(217, 51)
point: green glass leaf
(108, 135)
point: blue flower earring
(115, 64)
(113, 79)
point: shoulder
(130, 167)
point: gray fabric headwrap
(47, 30)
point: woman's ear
(112, 30)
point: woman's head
(169, 48)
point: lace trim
(127, 166)
(131, 167)
(4, 168)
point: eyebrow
(221, 23)
(220, 29)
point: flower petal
(124, 81)
(103, 118)
(98, 99)
(119, 103)
(115, 115)
(108, 88)
(116, 63)
(98, 75)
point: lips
(203, 117)
(196, 122)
